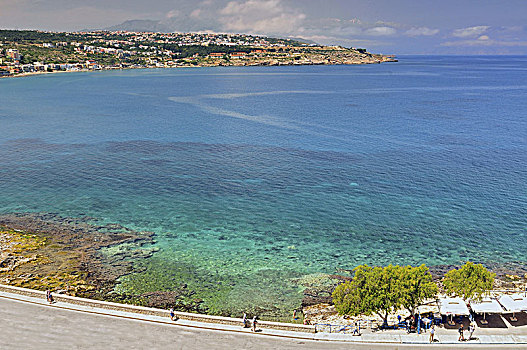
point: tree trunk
(384, 317)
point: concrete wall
(155, 312)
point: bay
(256, 179)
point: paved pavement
(29, 323)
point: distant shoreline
(385, 59)
(42, 52)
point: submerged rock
(181, 300)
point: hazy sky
(386, 26)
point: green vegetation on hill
(33, 36)
(191, 50)
(29, 51)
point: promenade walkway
(31, 323)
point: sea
(260, 181)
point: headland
(35, 52)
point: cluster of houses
(104, 50)
(36, 67)
(132, 44)
(186, 39)
(252, 53)
(149, 50)
(145, 43)
(10, 65)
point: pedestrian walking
(49, 297)
(461, 335)
(471, 329)
(254, 324)
(172, 314)
(356, 329)
(244, 320)
(432, 333)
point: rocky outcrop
(45, 250)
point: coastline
(101, 50)
(30, 74)
(85, 323)
(375, 59)
(71, 256)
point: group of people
(461, 331)
(296, 317)
(411, 325)
(247, 324)
(471, 329)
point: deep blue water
(252, 177)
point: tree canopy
(383, 290)
(416, 285)
(471, 281)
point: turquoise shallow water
(254, 177)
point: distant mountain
(141, 25)
(302, 40)
(169, 26)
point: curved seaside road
(29, 326)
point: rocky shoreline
(81, 257)
(47, 251)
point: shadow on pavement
(458, 321)
(521, 319)
(494, 321)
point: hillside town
(30, 52)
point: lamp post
(418, 321)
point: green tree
(415, 286)
(471, 281)
(372, 290)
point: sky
(463, 27)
